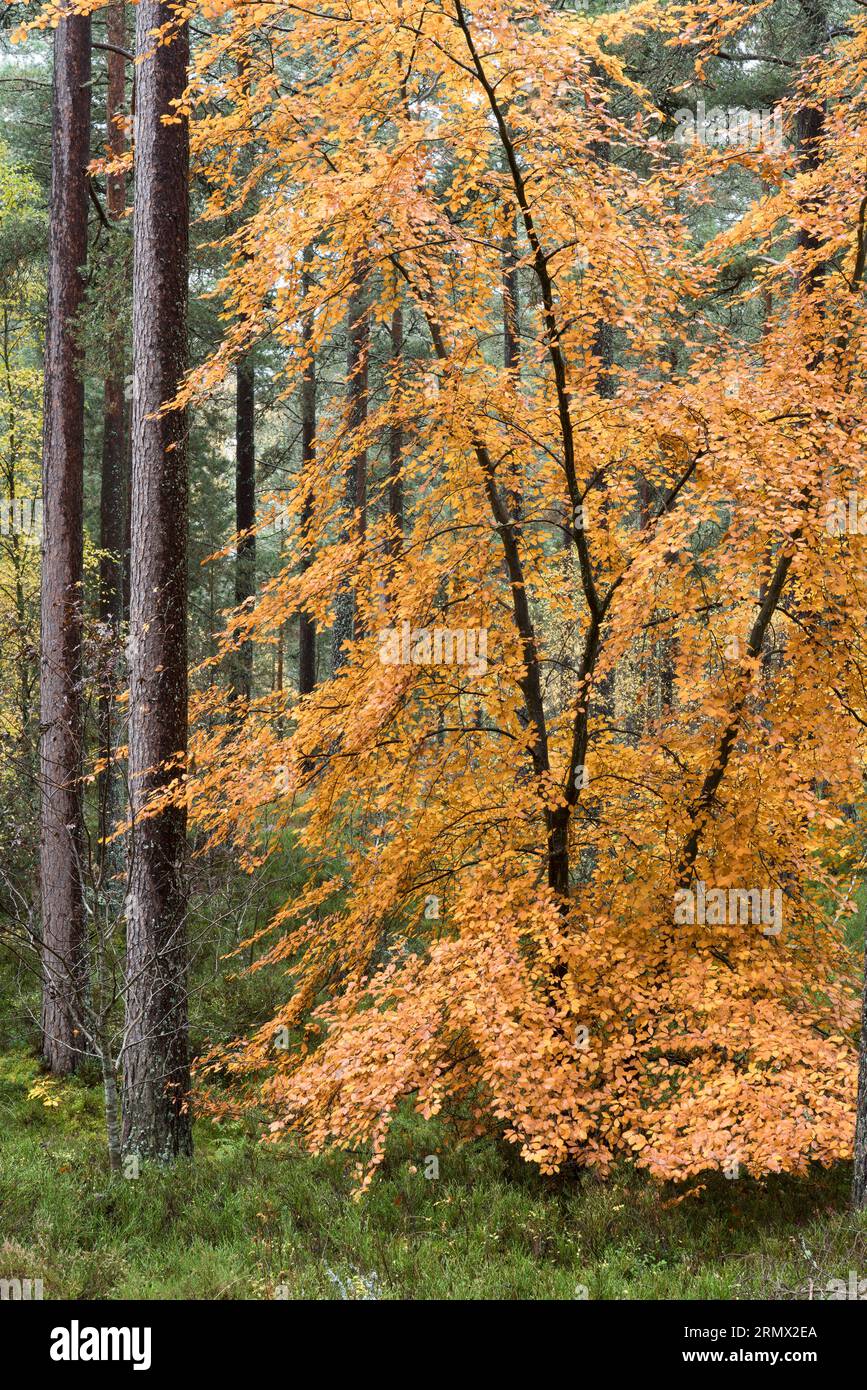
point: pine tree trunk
(127, 473)
(307, 626)
(113, 486)
(810, 125)
(245, 510)
(245, 479)
(112, 510)
(346, 626)
(156, 1122)
(61, 840)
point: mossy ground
(247, 1220)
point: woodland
(433, 670)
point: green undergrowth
(251, 1220)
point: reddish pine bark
(113, 483)
(112, 494)
(245, 510)
(156, 1062)
(61, 839)
(307, 626)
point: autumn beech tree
(156, 1122)
(60, 761)
(607, 924)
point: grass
(250, 1221)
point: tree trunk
(510, 300)
(395, 439)
(61, 838)
(245, 478)
(112, 1122)
(113, 486)
(859, 1172)
(245, 510)
(346, 626)
(810, 125)
(112, 510)
(156, 1122)
(511, 311)
(307, 626)
(127, 473)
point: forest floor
(247, 1220)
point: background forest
(432, 656)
